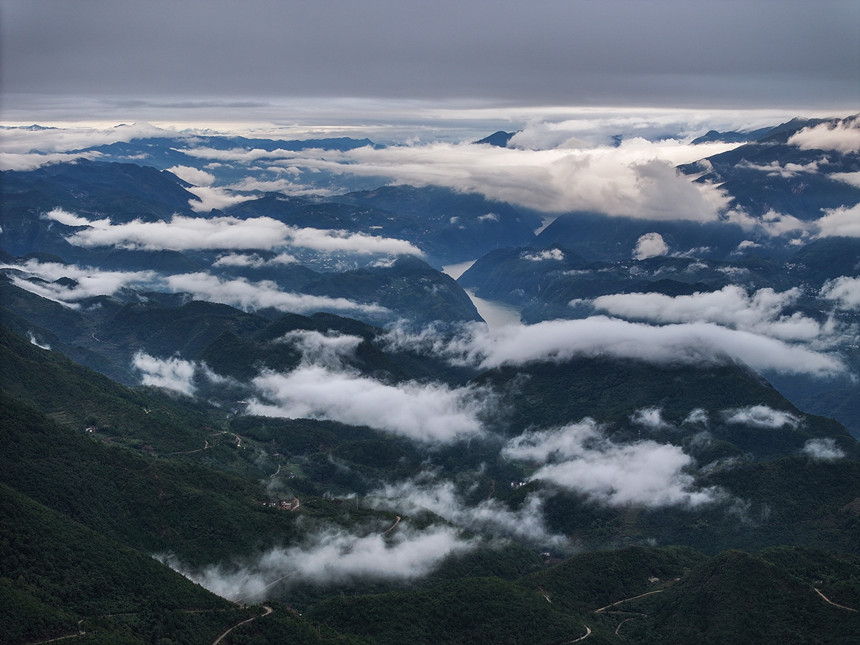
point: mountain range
(230, 359)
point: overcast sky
(228, 59)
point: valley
(365, 411)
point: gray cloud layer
(548, 52)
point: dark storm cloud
(659, 52)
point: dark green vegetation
(640, 595)
(82, 510)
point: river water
(496, 314)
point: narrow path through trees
(642, 595)
(268, 610)
(830, 602)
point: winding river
(496, 314)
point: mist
(329, 557)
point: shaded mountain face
(499, 138)
(160, 503)
(785, 173)
(459, 224)
(745, 294)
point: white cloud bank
(488, 516)
(650, 245)
(173, 373)
(732, 306)
(427, 413)
(761, 416)
(183, 233)
(326, 350)
(840, 222)
(636, 179)
(581, 458)
(193, 175)
(264, 294)
(23, 161)
(332, 557)
(843, 136)
(686, 343)
(44, 279)
(824, 449)
(844, 291)
(66, 139)
(253, 260)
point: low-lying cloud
(692, 343)
(579, 457)
(824, 449)
(24, 161)
(428, 413)
(650, 418)
(175, 374)
(545, 255)
(68, 283)
(330, 351)
(844, 291)
(333, 557)
(184, 233)
(250, 296)
(253, 260)
(72, 138)
(842, 136)
(761, 312)
(193, 175)
(761, 416)
(172, 373)
(650, 245)
(489, 516)
(636, 179)
(840, 222)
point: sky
(386, 61)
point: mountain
(237, 360)
(499, 138)
(158, 504)
(408, 286)
(557, 282)
(612, 390)
(732, 136)
(61, 579)
(463, 226)
(772, 174)
(600, 238)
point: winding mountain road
(642, 595)
(393, 526)
(582, 638)
(830, 602)
(268, 611)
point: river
(496, 314)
